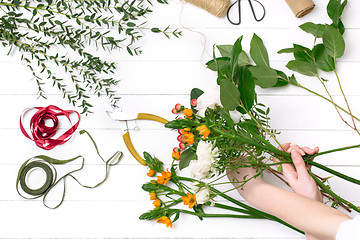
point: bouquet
(228, 129)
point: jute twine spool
(215, 7)
(301, 7)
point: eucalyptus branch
(35, 28)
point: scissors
(239, 9)
(118, 115)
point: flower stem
(254, 211)
(334, 195)
(332, 102)
(336, 173)
(209, 215)
(347, 103)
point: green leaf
(186, 157)
(236, 50)
(155, 30)
(335, 9)
(229, 95)
(334, 42)
(225, 114)
(221, 61)
(225, 50)
(282, 79)
(324, 61)
(292, 80)
(149, 187)
(315, 29)
(258, 51)
(246, 86)
(243, 59)
(300, 53)
(265, 77)
(195, 94)
(224, 73)
(305, 68)
(153, 163)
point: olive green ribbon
(47, 165)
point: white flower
(235, 116)
(206, 156)
(203, 195)
(211, 99)
(199, 169)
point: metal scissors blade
(239, 10)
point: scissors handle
(147, 116)
(127, 139)
(132, 150)
(239, 11)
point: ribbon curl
(41, 133)
(47, 164)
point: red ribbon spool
(42, 133)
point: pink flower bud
(194, 102)
(182, 145)
(178, 107)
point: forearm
(314, 218)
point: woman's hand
(298, 178)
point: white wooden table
(154, 82)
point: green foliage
(54, 37)
(185, 158)
(305, 68)
(195, 94)
(333, 42)
(229, 95)
(153, 163)
(323, 60)
(265, 77)
(258, 52)
(315, 29)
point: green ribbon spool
(48, 182)
(47, 165)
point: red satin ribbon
(40, 133)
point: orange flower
(152, 196)
(190, 200)
(188, 138)
(164, 178)
(165, 220)
(203, 130)
(157, 203)
(188, 112)
(175, 155)
(151, 173)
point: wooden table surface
(154, 82)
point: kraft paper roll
(215, 7)
(301, 7)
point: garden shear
(252, 10)
(118, 115)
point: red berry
(182, 145)
(180, 138)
